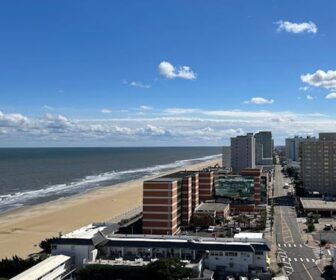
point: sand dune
(21, 230)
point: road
(298, 259)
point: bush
(14, 266)
(163, 269)
(310, 227)
(323, 242)
(45, 245)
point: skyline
(162, 73)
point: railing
(126, 215)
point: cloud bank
(166, 127)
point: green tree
(10, 267)
(168, 269)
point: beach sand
(21, 230)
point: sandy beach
(21, 230)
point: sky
(164, 73)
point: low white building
(82, 244)
(218, 254)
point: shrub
(14, 266)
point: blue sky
(129, 73)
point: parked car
(328, 227)
(230, 277)
(211, 229)
(243, 278)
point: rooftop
(211, 206)
(248, 235)
(89, 231)
(317, 203)
(190, 242)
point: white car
(211, 228)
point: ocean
(33, 175)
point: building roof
(163, 241)
(317, 204)
(163, 179)
(89, 231)
(211, 206)
(248, 235)
(43, 268)
(192, 245)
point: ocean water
(33, 175)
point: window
(259, 253)
(231, 254)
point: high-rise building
(206, 185)
(293, 148)
(264, 148)
(168, 202)
(226, 157)
(242, 152)
(318, 164)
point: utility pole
(320, 247)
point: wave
(18, 199)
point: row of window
(232, 254)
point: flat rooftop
(89, 231)
(317, 204)
(179, 175)
(189, 242)
(211, 206)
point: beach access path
(21, 230)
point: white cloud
(259, 101)
(331, 95)
(145, 108)
(47, 107)
(304, 88)
(139, 84)
(203, 127)
(136, 84)
(178, 111)
(293, 27)
(309, 97)
(106, 111)
(169, 71)
(320, 79)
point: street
(297, 258)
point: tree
(310, 227)
(202, 220)
(10, 267)
(45, 244)
(168, 269)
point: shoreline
(22, 229)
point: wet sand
(21, 230)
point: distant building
(214, 209)
(264, 148)
(226, 157)
(206, 185)
(292, 148)
(246, 187)
(318, 164)
(242, 152)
